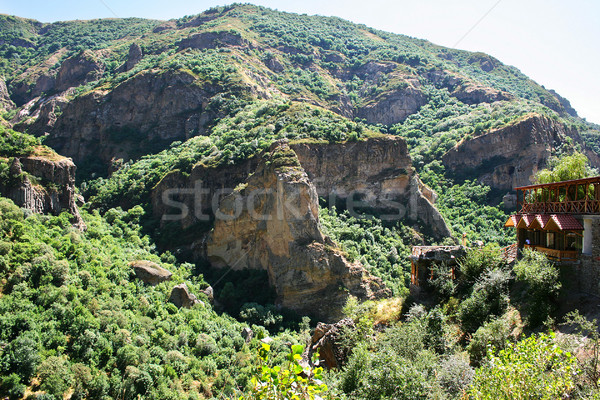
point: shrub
(541, 278)
(290, 381)
(534, 368)
(55, 376)
(489, 298)
(12, 387)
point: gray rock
(247, 334)
(181, 297)
(150, 272)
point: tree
(567, 167)
(542, 282)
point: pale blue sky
(555, 42)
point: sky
(554, 42)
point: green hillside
(136, 102)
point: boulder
(247, 334)
(150, 272)
(181, 297)
(326, 341)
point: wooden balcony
(558, 255)
(578, 196)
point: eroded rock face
(465, 89)
(134, 56)
(150, 109)
(5, 101)
(212, 40)
(55, 191)
(378, 173)
(510, 157)
(273, 224)
(77, 70)
(393, 106)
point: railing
(558, 207)
(560, 255)
(510, 252)
(578, 196)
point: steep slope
(189, 72)
(272, 223)
(36, 178)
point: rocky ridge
(272, 224)
(509, 157)
(43, 185)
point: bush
(489, 298)
(541, 278)
(534, 368)
(55, 376)
(12, 387)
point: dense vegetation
(74, 321)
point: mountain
(289, 161)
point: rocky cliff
(510, 157)
(150, 110)
(43, 185)
(376, 173)
(271, 223)
(372, 174)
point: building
(559, 219)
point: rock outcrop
(134, 56)
(465, 89)
(150, 110)
(509, 157)
(5, 101)
(150, 272)
(326, 341)
(272, 224)
(212, 40)
(43, 185)
(182, 297)
(376, 173)
(77, 70)
(193, 198)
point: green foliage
(542, 285)
(587, 353)
(55, 376)
(383, 248)
(488, 299)
(567, 167)
(290, 381)
(534, 368)
(11, 387)
(14, 144)
(96, 329)
(466, 209)
(477, 262)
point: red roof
(513, 220)
(542, 219)
(566, 222)
(528, 219)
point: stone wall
(588, 271)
